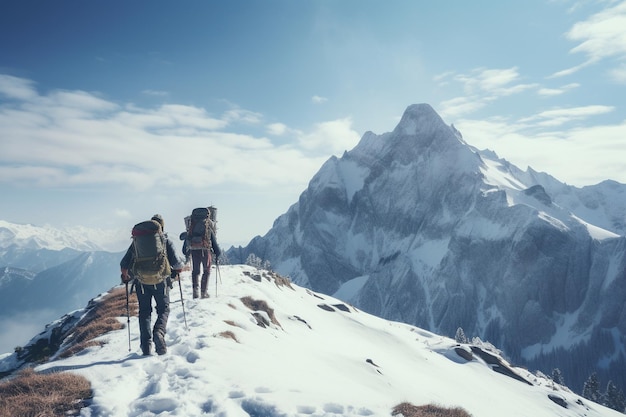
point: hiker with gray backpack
(201, 244)
(149, 263)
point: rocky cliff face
(417, 226)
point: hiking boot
(205, 294)
(146, 350)
(196, 293)
(159, 342)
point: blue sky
(113, 111)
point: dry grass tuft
(32, 394)
(429, 410)
(74, 349)
(63, 394)
(260, 305)
(101, 319)
(231, 323)
(228, 335)
(279, 280)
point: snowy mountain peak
(263, 346)
(419, 121)
(416, 225)
(28, 236)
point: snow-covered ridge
(304, 354)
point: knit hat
(158, 218)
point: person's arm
(126, 263)
(175, 262)
(216, 249)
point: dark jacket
(214, 246)
(175, 262)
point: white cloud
(618, 74)
(318, 99)
(277, 129)
(549, 92)
(562, 152)
(70, 138)
(601, 36)
(557, 117)
(488, 80)
(481, 87)
(16, 88)
(332, 137)
(122, 213)
(238, 115)
(155, 93)
(461, 105)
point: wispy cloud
(318, 99)
(481, 86)
(68, 138)
(557, 117)
(156, 93)
(550, 92)
(330, 137)
(601, 36)
(618, 74)
(16, 88)
(277, 129)
(534, 141)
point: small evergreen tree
(460, 336)
(557, 377)
(614, 397)
(591, 389)
(254, 261)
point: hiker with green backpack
(150, 262)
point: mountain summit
(417, 226)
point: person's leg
(145, 311)
(196, 260)
(162, 297)
(206, 264)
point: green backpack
(150, 265)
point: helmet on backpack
(159, 218)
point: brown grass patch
(279, 280)
(228, 335)
(33, 394)
(102, 318)
(260, 305)
(429, 410)
(231, 323)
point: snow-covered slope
(417, 226)
(306, 354)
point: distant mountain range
(417, 226)
(45, 273)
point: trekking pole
(219, 275)
(182, 301)
(127, 316)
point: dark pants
(161, 295)
(200, 258)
